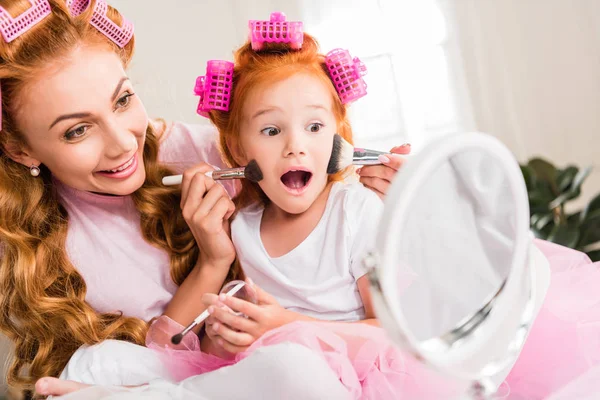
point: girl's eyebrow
(318, 106)
(265, 111)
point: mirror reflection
(464, 212)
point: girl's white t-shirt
(318, 277)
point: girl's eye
(314, 128)
(271, 131)
(76, 133)
(124, 100)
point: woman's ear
(20, 154)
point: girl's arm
(365, 295)
(235, 333)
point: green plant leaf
(594, 255)
(565, 235)
(592, 206)
(545, 172)
(574, 190)
(590, 229)
(565, 177)
(563, 198)
(540, 197)
(539, 221)
(580, 177)
(528, 176)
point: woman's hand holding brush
(379, 177)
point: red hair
(275, 62)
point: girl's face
(288, 128)
(84, 122)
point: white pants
(284, 371)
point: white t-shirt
(318, 277)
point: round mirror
(450, 274)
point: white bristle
(341, 155)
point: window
(404, 45)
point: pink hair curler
(215, 87)
(276, 30)
(120, 35)
(11, 28)
(346, 74)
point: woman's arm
(206, 207)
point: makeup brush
(251, 172)
(344, 154)
(176, 339)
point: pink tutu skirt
(561, 351)
(563, 346)
(364, 359)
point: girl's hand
(236, 333)
(379, 177)
(206, 207)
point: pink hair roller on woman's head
(11, 28)
(120, 35)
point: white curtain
(532, 69)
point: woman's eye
(76, 133)
(316, 127)
(124, 100)
(270, 131)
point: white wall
(174, 42)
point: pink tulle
(562, 348)
(367, 363)
(564, 342)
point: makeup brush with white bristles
(344, 154)
(251, 172)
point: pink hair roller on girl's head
(346, 74)
(214, 88)
(120, 35)
(276, 30)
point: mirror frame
(510, 310)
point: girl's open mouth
(296, 181)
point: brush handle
(367, 157)
(231, 173)
(205, 313)
(218, 175)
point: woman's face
(85, 124)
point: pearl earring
(34, 170)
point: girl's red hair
(275, 62)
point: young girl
(293, 233)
